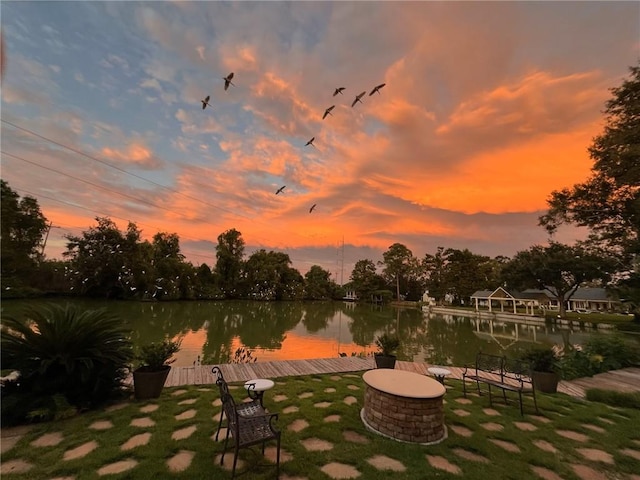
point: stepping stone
(340, 470)
(216, 417)
(186, 414)
(596, 455)
(491, 412)
(332, 419)
(594, 428)
(152, 407)
(316, 379)
(184, 433)
(460, 430)
(322, 404)
(588, 473)
(15, 466)
(305, 395)
(279, 398)
(461, 413)
(353, 387)
(464, 401)
(8, 443)
(335, 378)
(492, 427)
(316, 445)
(180, 461)
(101, 425)
(350, 375)
(541, 419)
(136, 441)
(181, 392)
(442, 463)
(544, 445)
(467, 455)
(270, 453)
(545, 473)
(580, 437)
(204, 389)
(291, 409)
(117, 406)
(217, 402)
(188, 401)
(117, 467)
(330, 390)
(64, 478)
(81, 451)
(606, 420)
(508, 446)
(298, 425)
(221, 436)
(228, 462)
(350, 400)
(525, 426)
(354, 437)
(47, 440)
(382, 462)
(142, 422)
(632, 453)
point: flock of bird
(327, 112)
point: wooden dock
(625, 380)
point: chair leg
(504, 395)
(464, 387)
(535, 403)
(278, 459)
(219, 424)
(235, 461)
(226, 441)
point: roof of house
(582, 293)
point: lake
(211, 332)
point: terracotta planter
(149, 383)
(385, 361)
(545, 382)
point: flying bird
(280, 189)
(338, 91)
(377, 89)
(328, 111)
(358, 97)
(312, 207)
(227, 80)
(310, 142)
(205, 102)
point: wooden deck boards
(625, 380)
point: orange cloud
(135, 153)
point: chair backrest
(490, 363)
(229, 408)
(220, 381)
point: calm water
(212, 331)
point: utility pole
(44, 244)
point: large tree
(559, 269)
(608, 202)
(365, 279)
(399, 264)
(22, 227)
(229, 262)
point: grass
(612, 430)
(616, 399)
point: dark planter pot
(149, 383)
(545, 382)
(385, 361)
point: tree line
(106, 262)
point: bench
(497, 371)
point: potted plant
(545, 368)
(155, 365)
(387, 346)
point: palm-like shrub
(65, 356)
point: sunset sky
(488, 108)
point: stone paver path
(588, 458)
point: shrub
(600, 354)
(155, 356)
(67, 359)
(542, 359)
(387, 344)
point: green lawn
(603, 438)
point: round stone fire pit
(404, 406)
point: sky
(487, 108)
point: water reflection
(212, 331)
